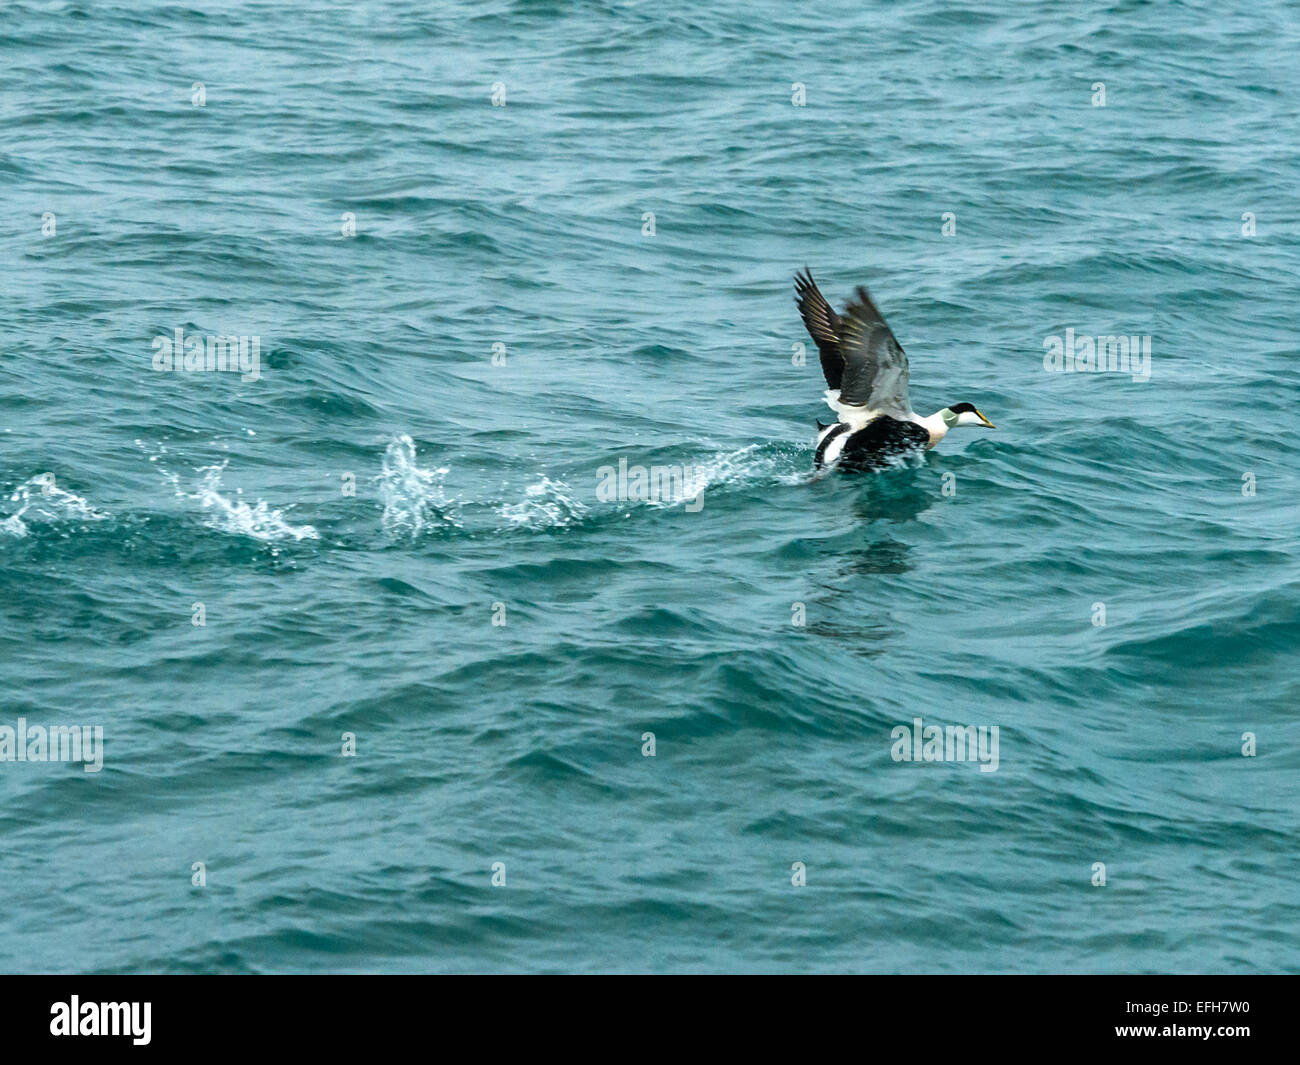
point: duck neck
(936, 425)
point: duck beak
(986, 422)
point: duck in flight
(866, 378)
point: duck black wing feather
(823, 325)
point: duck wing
(823, 325)
(875, 373)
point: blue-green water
(188, 166)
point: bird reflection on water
(852, 609)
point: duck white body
(859, 418)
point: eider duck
(866, 378)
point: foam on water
(755, 464)
(546, 504)
(40, 501)
(235, 516)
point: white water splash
(754, 464)
(233, 515)
(413, 497)
(40, 500)
(546, 504)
